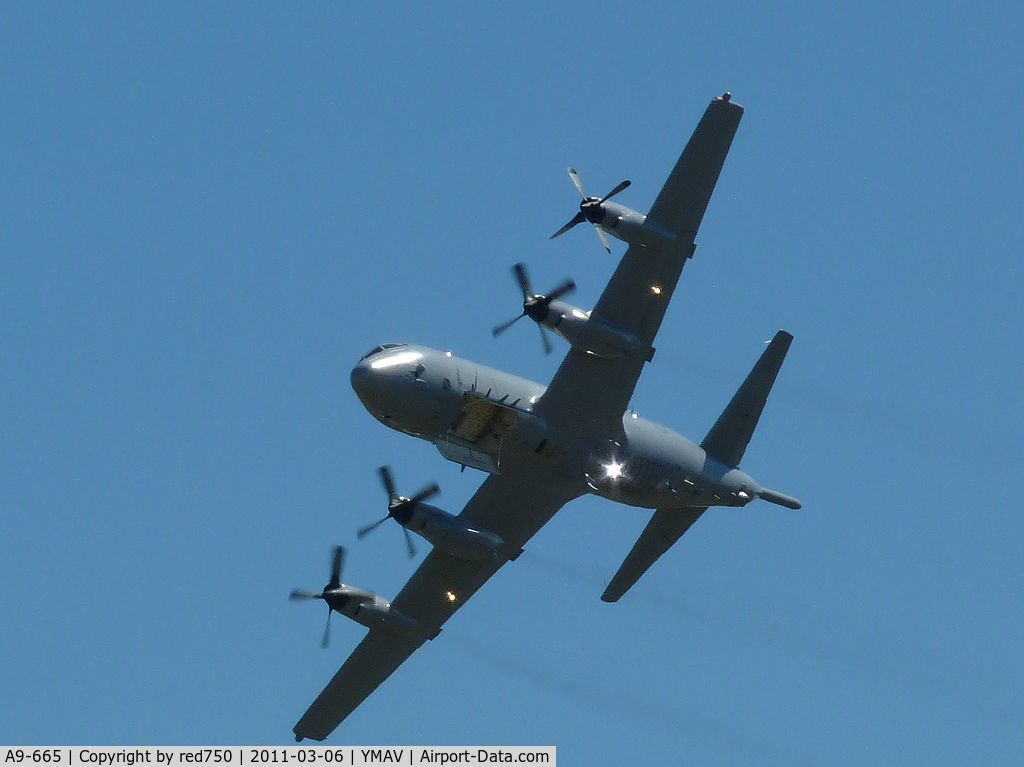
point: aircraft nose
(360, 379)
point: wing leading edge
(513, 505)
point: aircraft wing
(513, 505)
(594, 391)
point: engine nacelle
(380, 615)
(588, 333)
(452, 537)
(634, 228)
(449, 534)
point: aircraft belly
(659, 469)
(486, 416)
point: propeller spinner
(331, 593)
(535, 305)
(590, 209)
(400, 508)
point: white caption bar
(245, 756)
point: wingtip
(725, 99)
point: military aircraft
(544, 446)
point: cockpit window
(398, 358)
(381, 348)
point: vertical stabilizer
(728, 438)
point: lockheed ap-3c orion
(544, 446)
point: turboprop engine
(362, 606)
(615, 219)
(442, 530)
(588, 333)
(579, 328)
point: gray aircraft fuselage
(422, 391)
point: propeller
(336, 565)
(590, 209)
(326, 638)
(400, 508)
(535, 305)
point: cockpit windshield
(381, 348)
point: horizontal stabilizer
(664, 529)
(729, 437)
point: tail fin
(728, 438)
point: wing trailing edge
(729, 437)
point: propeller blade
(579, 218)
(428, 492)
(326, 640)
(298, 594)
(576, 180)
(616, 190)
(339, 559)
(408, 542)
(544, 339)
(519, 270)
(496, 331)
(387, 481)
(369, 528)
(566, 287)
(604, 240)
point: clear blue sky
(209, 211)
